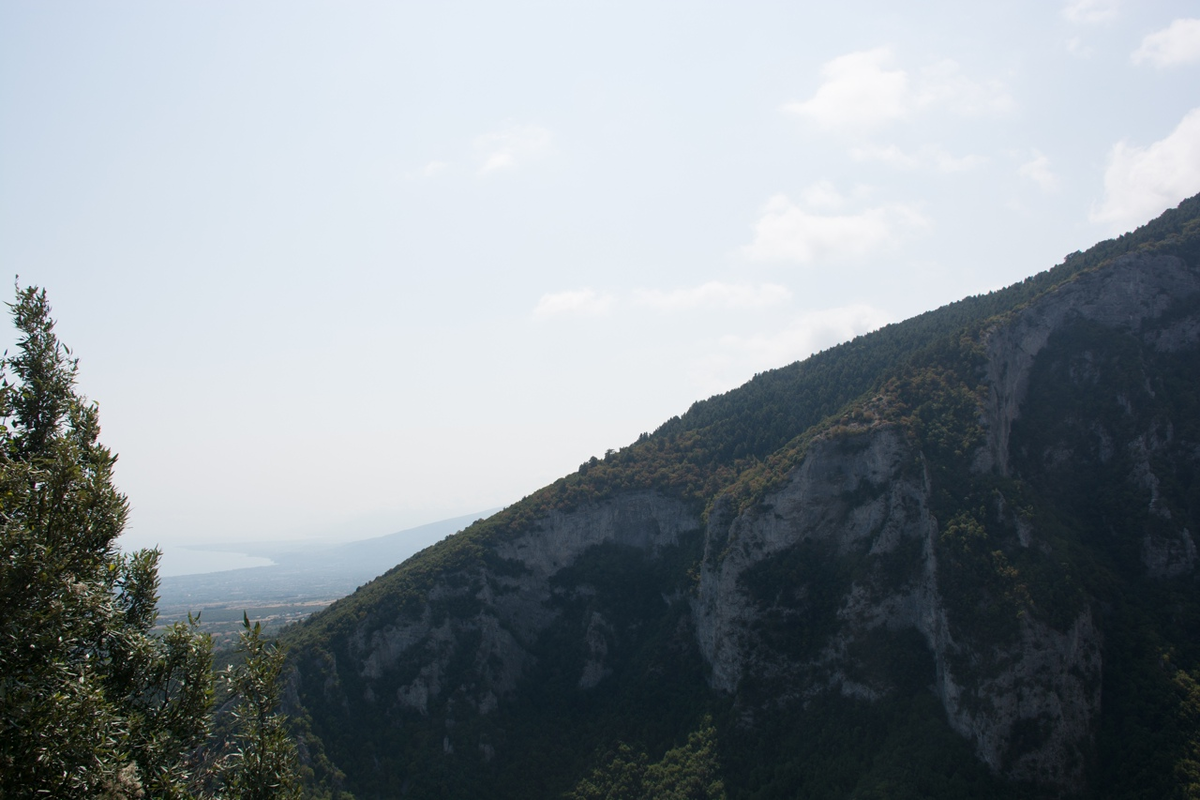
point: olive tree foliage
(262, 761)
(93, 703)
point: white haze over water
(335, 270)
(177, 561)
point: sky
(333, 270)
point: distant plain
(277, 583)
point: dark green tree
(688, 772)
(262, 764)
(92, 702)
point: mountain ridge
(860, 531)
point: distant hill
(301, 575)
(952, 558)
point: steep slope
(953, 556)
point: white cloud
(863, 90)
(1038, 170)
(1178, 43)
(433, 168)
(1090, 12)
(888, 154)
(1141, 182)
(928, 156)
(511, 146)
(739, 357)
(823, 194)
(808, 334)
(714, 294)
(787, 232)
(859, 91)
(578, 302)
(942, 83)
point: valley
(302, 579)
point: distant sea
(186, 561)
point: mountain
(954, 557)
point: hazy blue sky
(337, 269)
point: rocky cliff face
(492, 616)
(866, 494)
(962, 514)
(861, 494)
(1128, 296)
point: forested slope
(952, 556)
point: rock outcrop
(867, 493)
(508, 608)
(1124, 296)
